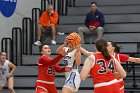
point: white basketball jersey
(69, 59)
(5, 68)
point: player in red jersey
(46, 69)
(102, 67)
(115, 50)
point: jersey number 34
(104, 67)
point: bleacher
(122, 26)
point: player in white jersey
(72, 59)
(6, 72)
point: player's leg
(1, 89)
(2, 84)
(11, 84)
(72, 83)
(66, 90)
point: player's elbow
(83, 77)
(123, 75)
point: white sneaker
(53, 42)
(60, 33)
(37, 43)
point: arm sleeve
(86, 21)
(42, 20)
(54, 18)
(102, 20)
(123, 57)
(59, 69)
(49, 62)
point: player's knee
(40, 27)
(100, 29)
(79, 29)
(10, 88)
(53, 26)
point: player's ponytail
(101, 46)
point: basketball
(73, 39)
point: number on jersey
(65, 62)
(50, 70)
(104, 67)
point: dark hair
(93, 3)
(117, 48)
(40, 47)
(101, 46)
(2, 52)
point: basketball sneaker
(38, 43)
(53, 42)
(60, 33)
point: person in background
(7, 69)
(94, 23)
(46, 70)
(48, 22)
(114, 50)
(102, 67)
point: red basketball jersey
(121, 58)
(103, 70)
(47, 68)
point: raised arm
(87, 67)
(124, 58)
(132, 59)
(78, 56)
(85, 52)
(59, 49)
(48, 61)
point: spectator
(94, 23)
(48, 21)
(7, 69)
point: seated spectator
(94, 23)
(48, 22)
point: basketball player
(7, 69)
(46, 69)
(102, 66)
(114, 50)
(72, 59)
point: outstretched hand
(78, 47)
(63, 53)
